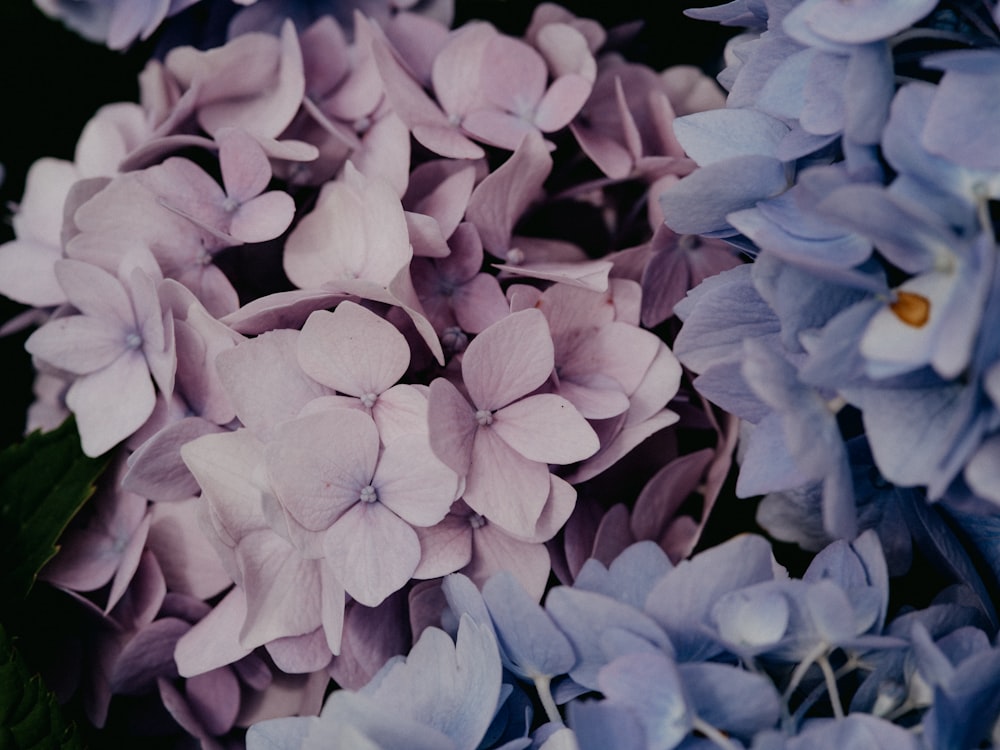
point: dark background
(53, 82)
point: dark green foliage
(44, 482)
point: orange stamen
(912, 309)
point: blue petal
(650, 686)
(700, 202)
(600, 725)
(716, 135)
(531, 643)
(731, 699)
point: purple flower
(502, 442)
(362, 500)
(116, 346)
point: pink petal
(502, 485)
(332, 609)
(666, 491)
(264, 380)
(589, 274)
(401, 410)
(199, 338)
(493, 551)
(128, 564)
(426, 237)
(360, 92)
(282, 589)
(457, 71)
(298, 654)
(372, 552)
(263, 218)
(623, 442)
(659, 384)
(213, 642)
(372, 636)
(274, 100)
(318, 464)
(414, 484)
(225, 466)
(479, 303)
(613, 535)
(189, 563)
(571, 310)
(546, 428)
(497, 128)
(86, 561)
(618, 350)
(566, 51)
(79, 344)
(399, 293)
(633, 139)
(245, 169)
(287, 695)
(466, 258)
(441, 189)
(610, 156)
(27, 273)
(499, 200)
(112, 403)
(385, 152)
(558, 508)
(426, 603)
(451, 425)
(39, 217)
(512, 75)
(508, 360)
(353, 350)
(93, 291)
(562, 102)
(429, 125)
(214, 697)
(142, 600)
(418, 38)
(326, 55)
(156, 470)
(280, 310)
(445, 140)
(595, 397)
(445, 547)
(356, 231)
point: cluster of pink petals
(298, 292)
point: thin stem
(713, 734)
(542, 686)
(831, 686)
(983, 212)
(901, 710)
(925, 33)
(817, 691)
(801, 669)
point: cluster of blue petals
(724, 650)
(857, 164)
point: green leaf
(44, 481)
(30, 717)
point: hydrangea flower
(506, 435)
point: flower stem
(713, 734)
(831, 686)
(542, 686)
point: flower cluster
(382, 325)
(724, 650)
(851, 162)
(324, 297)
